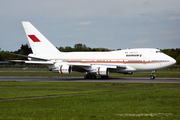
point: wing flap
(99, 65)
(112, 66)
(79, 64)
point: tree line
(80, 47)
(25, 50)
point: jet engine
(102, 71)
(65, 69)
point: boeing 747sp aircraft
(94, 64)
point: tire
(93, 76)
(152, 77)
(104, 77)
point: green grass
(45, 73)
(102, 101)
(32, 89)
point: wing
(100, 69)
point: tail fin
(39, 44)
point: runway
(81, 79)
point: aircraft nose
(172, 61)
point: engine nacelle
(129, 73)
(102, 71)
(65, 69)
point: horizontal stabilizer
(40, 62)
(34, 62)
(17, 60)
(42, 59)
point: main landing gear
(153, 76)
(90, 76)
(93, 76)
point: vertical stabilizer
(39, 44)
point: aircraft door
(145, 60)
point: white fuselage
(136, 60)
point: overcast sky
(113, 24)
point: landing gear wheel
(85, 76)
(152, 77)
(104, 77)
(89, 76)
(93, 76)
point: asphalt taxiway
(81, 79)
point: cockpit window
(159, 52)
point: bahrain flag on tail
(34, 38)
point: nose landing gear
(153, 76)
